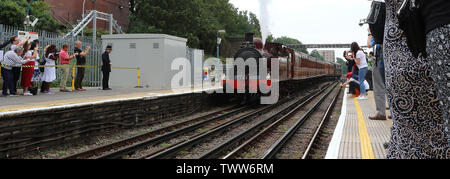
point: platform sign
(22, 35)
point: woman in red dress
(28, 68)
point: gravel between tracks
(199, 150)
(320, 148)
(296, 146)
(185, 137)
(258, 148)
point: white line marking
(335, 144)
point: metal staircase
(93, 16)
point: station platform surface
(19, 104)
(356, 136)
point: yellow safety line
(366, 144)
(68, 102)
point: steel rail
(216, 152)
(141, 137)
(325, 117)
(282, 141)
(179, 147)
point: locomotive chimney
(249, 37)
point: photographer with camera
(51, 56)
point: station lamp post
(219, 41)
(27, 20)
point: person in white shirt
(361, 62)
(15, 42)
(11, 59)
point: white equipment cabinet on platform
(153, 53)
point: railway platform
(92, 96)
(356, 136)
(29, 123)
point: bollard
(139, 78)
(73, 77)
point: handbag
(377, 21)
(410, 21)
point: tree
(343, 64)
(197, 20)
(269, 38)
(316, 54)
(287, 40)
(13, 12)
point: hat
(109, 47)
(349, 75)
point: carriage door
(292, 65)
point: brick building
(70, 11)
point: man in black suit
(106, 67)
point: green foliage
(343, 65)
(197, 20)
(269, 39)
(316, 54)
(287, 40)
(13, 12)
(89, 31)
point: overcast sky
(313, 21)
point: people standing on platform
(436, 17)
(11, 58)
(106, 67)
(350, 62)
(81, 60)
(418, 128)
(361, 61)
(50, 55)
(15, 42)
(64, 61)
(28, 68)
(354, 85)
(375, 41)
(36, 73)
(371, 63)
(6, 43)
(2, 46)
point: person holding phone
(360, 61)
(64, 60)
(81, 60)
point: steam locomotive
(295, 68)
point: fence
(92, 75)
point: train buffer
(356, 136)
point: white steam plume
(264, 18)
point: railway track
(146, 138)
(301, 141)
(254, 120)
(253, 142)
(172, 141)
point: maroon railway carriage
(293, 66)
